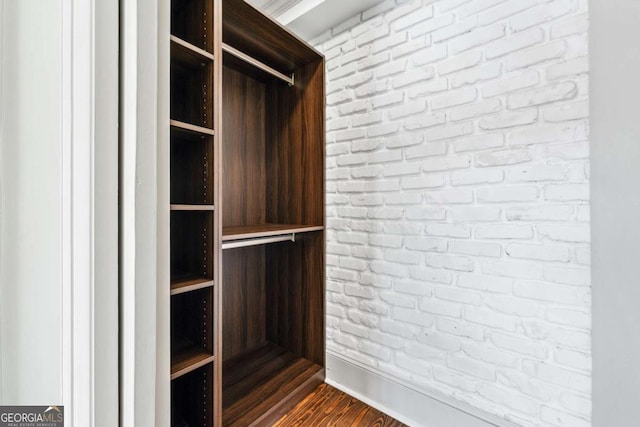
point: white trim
(406, 404)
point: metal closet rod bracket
(243, 243)
(258, 64)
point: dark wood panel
(248, 30)
(243, 300)
(269, 377)
(327, 406)
(243, 150)
(295, 154)
(295, 296)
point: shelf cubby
(191, 171)
(191, 247)
(192, 21)
(191, 398)
(191, 323)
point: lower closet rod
(259, 241)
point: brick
(537, 173)
(544, 95)
(386, 44)
(372, 34)
(416, 17)
(536, 55)
(556, 375)
(519, 344)
(422, 182)
(448, 230)
(416, 366)
(475, 248)
(453, 30)
(538, 252)
(412, 77)
(475, 110)
(447, 309)
(489, 355)
(413, 287)
(515, 269)
(386, 100)
(436, 164)
(385, 241)
(505, 10)
(567, 275)
(507, 194)
(571, 151)
(573, 359)
(403, 199)
(407, 109)
(509, 119)
(460, 328)
(429, 55)
(399, 169)
(485, 283)
(502, 157)
(383, 129)
(476, 38)
(511, 83)
(574, 318)
(459, 62)
(477, 74)
(409, 47)
(449, 262)
(429, 88)
(357, 330)
(458, 295)
(398, 300)
(551, 292)
(574, 233)
(424, 121)
(478, 142)
(471, 367)
(514, 306)
(355, 55)
(566, 112)
(512, 44)
(448, 197)
(476, 214)
(433, 24)
(446, 5)
(572, 25)
(391, 68)
(453, 98)
(508, 399)
(460, 382)
(414, 317)
(451, 131)
(575, 403)
(539, 213)
(423, 352)
(426, 244)
(540, 14)
(375, 350)
(430, 275)
(490, 318)
(567, 192)
(378, 9)
(557, 335)
(583, 256)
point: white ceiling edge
(310, 18)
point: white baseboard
(407, 405)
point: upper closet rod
(252, 61)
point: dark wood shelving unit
(247, 215)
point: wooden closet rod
(260, 65)
(259, 241)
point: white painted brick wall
(458, 199)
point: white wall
(30, 210)
(615, 148)
(458, 202)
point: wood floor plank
(329, 407)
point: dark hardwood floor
(327, 406)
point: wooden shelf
(265, 230)
(188, 359)
(182, 285)
(179, 207)
(195, 129)
(259, 385)
(185, 52)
